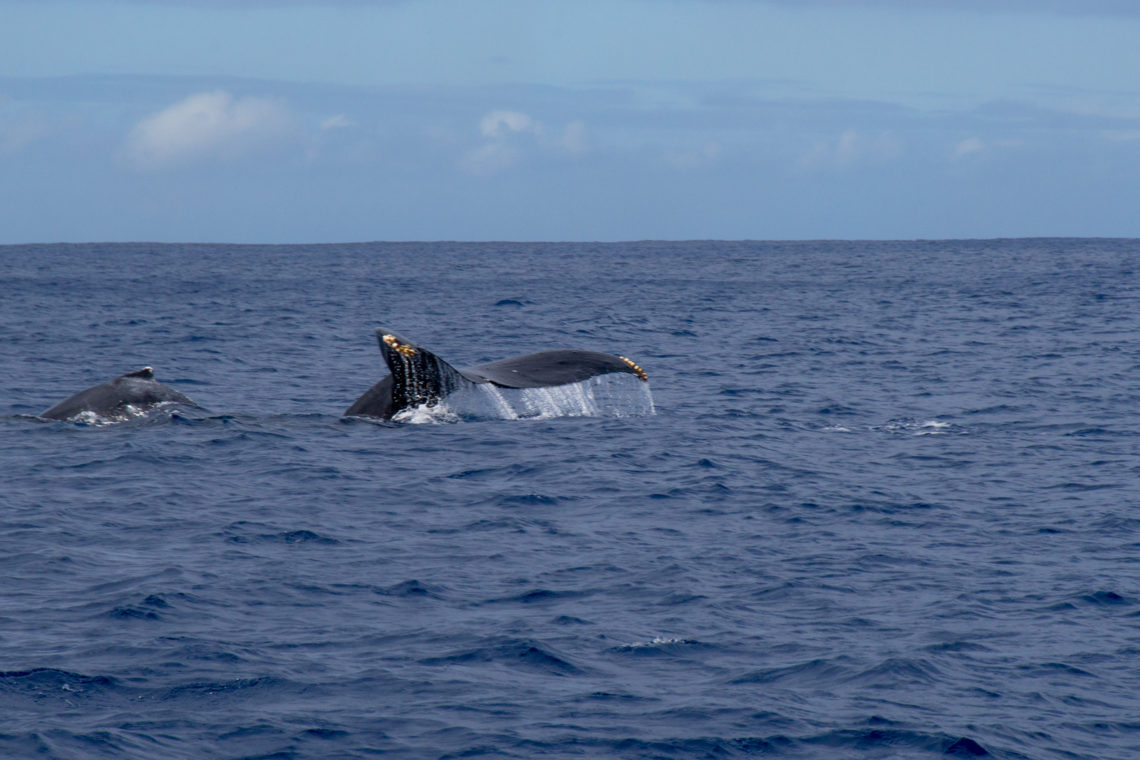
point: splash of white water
(611, 395)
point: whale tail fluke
(419, 377)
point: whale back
(137, 389)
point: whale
(417, 377)
(126, 396)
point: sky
(295, 121)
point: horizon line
(624, 241)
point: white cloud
(974, 146)
(573, 139)
(206, 125)
(499, 151)
(510, 135)
(498, 124)
(16, 134)
(340, 121)
(968, 146)
(849, 149)
(692, 159)
(489, 158)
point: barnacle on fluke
(637, 370)
(394, 343)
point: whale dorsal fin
(146, 373)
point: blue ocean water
(886, 507)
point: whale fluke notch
(419, 377)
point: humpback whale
(419, 377)
(125, 396)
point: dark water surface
(888, 506)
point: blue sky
(294, 121)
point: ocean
(879, 503)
